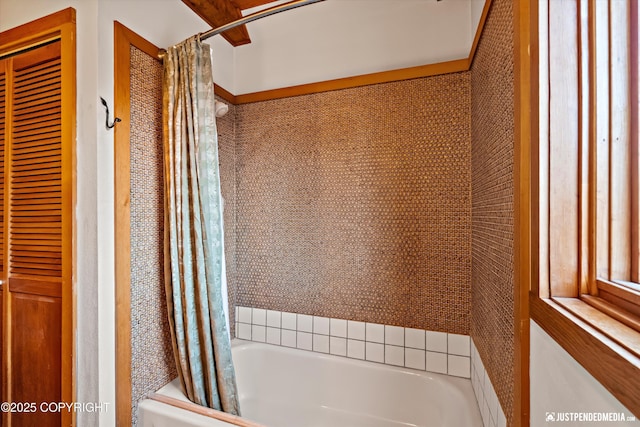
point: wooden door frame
(124, 38)
(57, 26)
(525, 25)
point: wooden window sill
(606, 348)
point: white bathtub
(284, 387)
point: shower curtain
(193, 229)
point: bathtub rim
(171, 393)
(201, 410)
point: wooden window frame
(592, 330)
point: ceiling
(333, 39)
(219, 12)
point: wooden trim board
(613, 366)
(123, 40)
(526, 123)
(429, 70)
(476, 39)
(204, 411)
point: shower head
(221, 108)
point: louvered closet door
(34, 262)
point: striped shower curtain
(193, 229)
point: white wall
(560, 384)
(17, 12)
(340, 38)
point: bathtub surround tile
(374, 352)
(237, 315)
(273, 318)
(492, 402)
(458, 344)
(474, 356)
(305, 323)
(414, 338)
(321, 343)
(338, 328)
(459, 366)
(436, 362)
(289, 321)
(244, 314)
(259, 316)
(437, 341)
(273, 335)
(394, 335)
(355, 330)
(502, 420)
(394, 355)
(375, 333)
(355, 349)
(475, 383)
(288, 338)
(449, 354)
(415, 359)
(304, 341)
(486, 416)
(480, 402)
(244, 331)
(258, 333)
(321, 325)
(338, 346)
(490, 408)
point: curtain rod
(257, 15)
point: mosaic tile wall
(152, 362)
(355, 204)
(492, 123)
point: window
(613, 166)
(587, 274)
(589, 159)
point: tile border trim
(418, 349)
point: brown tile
(492, 109)
(152, 362)
(356, 204)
